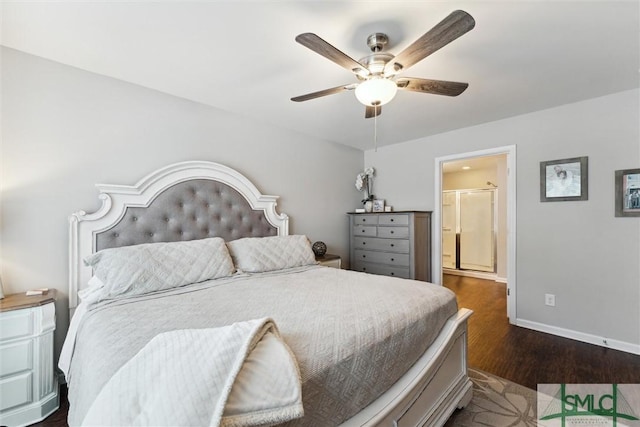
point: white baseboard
(470, 273)
(501, 279)
(580, 336)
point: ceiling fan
(378, 72)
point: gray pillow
(258, 254)
(149, 267)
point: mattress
(353, 334)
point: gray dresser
(391, 243)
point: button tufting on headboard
(188, 210)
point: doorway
(470, 230)
(478, 243)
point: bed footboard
(432, 389)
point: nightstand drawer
(383, 257)
(16, 391)
(387, 245)
(16, 324)
(365, 219)
(393, 232)
(365, 230)
(15, 358)
(383, 270)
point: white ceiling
(241, 57)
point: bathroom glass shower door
(468, 230)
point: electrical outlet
(550, 300)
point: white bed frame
(426, 395)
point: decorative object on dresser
(329, 260)
(364, 182)
(28, 386)
(319, 248)
(378, 205)
(392, 244)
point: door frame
(510, 152)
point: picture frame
(627, 192)
(378, 205)
(564, 180)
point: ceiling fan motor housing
(377, 41)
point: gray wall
(64, 130)
(576, 250)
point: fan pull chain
(375, 129)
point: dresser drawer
(387, 245)
(393, 232)
(365, 230)
(389, 258)
(393, 219)
(15, 358)
(16, 390)
(365, 219)
(16, 324)
(383, 270)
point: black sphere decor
(319, 248)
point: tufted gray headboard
(189, 210)
(184, 201)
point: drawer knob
(393, 274)
(364, 243)
(364, 256)
(364, 219)
(391, 231)
(364, 268)
(391, 219)
(393, 259)
(392, 245)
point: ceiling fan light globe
(376, 91)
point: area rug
(496, 402)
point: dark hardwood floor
(521, 355)
(529, 357)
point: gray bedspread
(353, 334)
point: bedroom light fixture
(376, 91)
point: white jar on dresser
(28, 387)
(391, 243)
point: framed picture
(564, 180)
(627, 185)
(378, 205)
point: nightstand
(330, 260)
(28, 386)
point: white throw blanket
(238, 375)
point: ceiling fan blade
(437, 87)
(325, 92)
(318, 45)
(372, 111)
(450, 28)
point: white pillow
(258, 254)
(140, 269)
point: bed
(358, 349)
